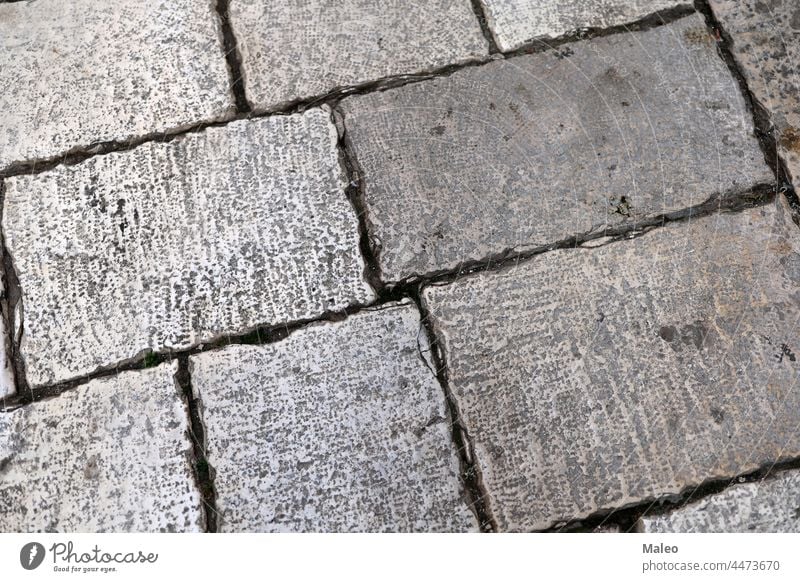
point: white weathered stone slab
(300, 49)
(340, 427)
(769, 506)
(594, 378)
(527, 151)
(78, 72)
(516, 22)
(112, 455)
(766, 45)
(169, 245)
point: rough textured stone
(594, 378)
(515, 22)
(299, 49)
(764, 506)
(526, 151)
(82, 72)
(168, 245)
(111, 455)
(339, 427)
(766, 45)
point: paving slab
(111, 455)
(765, 41)
(298, 49)
(516, 22)
(594, 378)
(172, 244)
(527, 151)
(768, 506)
(79, 72)
(340, 427)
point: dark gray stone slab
(590, 379)
(527, 151)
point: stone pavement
(471, 265)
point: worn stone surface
(765, 39)
(763, 506)
(111, 455)
(594, 378)
(340, 427)
(515, 22)
(527, 151)
(299, 49)
(77, 72)
(169, 245)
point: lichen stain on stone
(790, 139)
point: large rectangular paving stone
(765, 39)
(78, 72)
(516, 22)
(590, 379)
(526, 151)
(173, 244)
(298, 49)
(768, 506)
(112, 455)
(339, 427)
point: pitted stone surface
(594, 378)
(78, 72)
(298, 49)
(766, 45)
(527, 151)
(763, 506)
(515, 22)
(339, 427)
(111, 455)
(172, 244)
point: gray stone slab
(766, 45)
(112, 455)
(516, 22)
(172, 244)
(298, 49)
(769, 506)
(527, 151)
(590, 379)
(78, 72)
(340, 427)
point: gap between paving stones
(483, 21)
(764, 130)
(627, 517)
(11, 306)
(232, 57)
(203, 472)
(471, 477)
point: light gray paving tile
(173, 244)
(111, 455)
(340, 427)
(79, 72)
